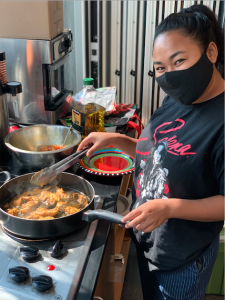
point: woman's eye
(160, 68)
(179, 61)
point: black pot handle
(91, 215)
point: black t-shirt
(180, 154)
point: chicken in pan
(48, 203)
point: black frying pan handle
(91, 215)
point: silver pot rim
(11, 147)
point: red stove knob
(19, 274)
(50, 268)
(42, 283)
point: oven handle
(59, 63)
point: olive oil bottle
(87, 113)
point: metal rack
(138, 20)
(122, 33)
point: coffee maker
(11, 89)
(40, 66)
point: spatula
(46, 175)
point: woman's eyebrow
(170, 58)
(157, 63)
(175, 54)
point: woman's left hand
(149, 215)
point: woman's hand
(102, 139)
(149, 215)
(97, 139)
(154, 213)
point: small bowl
(24, 143)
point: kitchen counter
(109, 188)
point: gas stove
(81, 283)
(44, 269)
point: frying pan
(39, 229)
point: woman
(177, 235)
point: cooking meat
(18, 202)
(61, 205)
(49, 199)
(12, 211)
(46, 218)
(82, 200)
(43, 212)
(29, 205)
(48, 203)
(63, 196)
(24, 197)
(77, 200)
(69, 210)
(35, 192)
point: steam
(19, 185)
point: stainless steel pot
(24, 143)
(40, 229)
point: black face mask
(186, 86)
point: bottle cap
(13, 87)
(88, 81)
(2, 55)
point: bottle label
(78, 119)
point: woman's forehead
(168, 43)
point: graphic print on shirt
(151, 183)
(153, 179)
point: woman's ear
(212, 52)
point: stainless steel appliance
(12, 88)
(4, 115)
(39, 65)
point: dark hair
(163, 152)
(198, 22)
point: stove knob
(57, 250)
(19, 274)
(29, 253)
(42, 283)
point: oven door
(55, 91)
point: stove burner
(21, 238)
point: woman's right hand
(98, 140)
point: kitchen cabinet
(110, 282)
